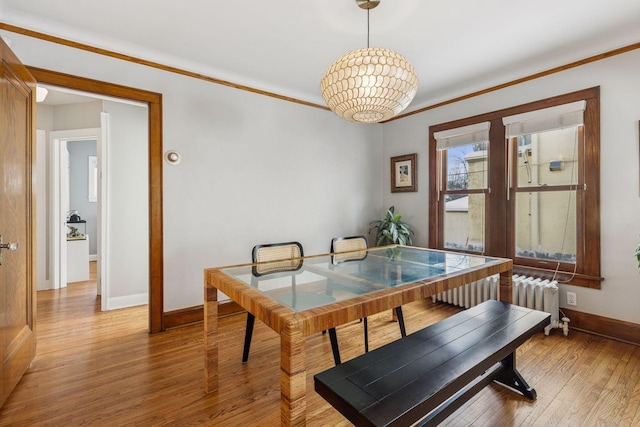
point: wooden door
(17, 220)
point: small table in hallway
(380, 279)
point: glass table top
(310, 282)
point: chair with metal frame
(277, 258)
(350, 249)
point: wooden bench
(427, 375)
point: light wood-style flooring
(104, 369)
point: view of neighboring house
(546, 179)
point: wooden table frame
(294, 327)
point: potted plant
(391, 230)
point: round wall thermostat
(172, 157)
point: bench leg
(512, 378)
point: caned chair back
(277, 257)
(349, 248)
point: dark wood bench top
(401, 382)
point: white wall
(83, 115)
(258, 170)
(620, 192)
(127, 205)
(254, 169)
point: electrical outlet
(572, 299)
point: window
(463, 159)
(522, 183)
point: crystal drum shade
(369, 85)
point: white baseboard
(47, 286)
(93, 257)
(128, 301)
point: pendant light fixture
(369, 85)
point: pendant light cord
(368, 28)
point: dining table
(311, 294)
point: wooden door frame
(156, 244)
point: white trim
(102, 149)
(57, 262)
(126, 301)
(42, 235)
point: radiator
(528, 292)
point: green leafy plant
(391, 230)
(638, 256)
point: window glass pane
(464, 222)
(467, 167)
(548, 158)
(546, 225)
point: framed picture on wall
(404, 173)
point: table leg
(293, 375)
(506, 287)
(210, 338)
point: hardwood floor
(104, 369)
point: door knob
(12, 246)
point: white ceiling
(284, 46)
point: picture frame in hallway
(404, 173)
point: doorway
(75, 225)
(119, 222)
(155, 225)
